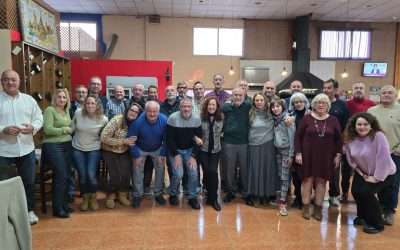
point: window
(78, 36)
(345, 44)
(218, 41)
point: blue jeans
(59, 156)
(177, 174)
(26, 169)
(87, 163)
(389, 196)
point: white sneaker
(33, 219)
(334, 201)
(282, 210)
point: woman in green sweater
(57, 148)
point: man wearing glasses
(95, 87)
(182, 88)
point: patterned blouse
(113, 135)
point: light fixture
(231, 71)
(284, 71)
(344, 74)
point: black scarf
(211, 122)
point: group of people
(261, 144)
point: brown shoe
(93, 201)
(110, 200)
(123, 199)
(305, 211)
(318, 212)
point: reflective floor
(237, 226)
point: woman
(262, 165)
(299, 106)
(57, 149)
(116, 154)
(87, 124)
(318, 147)
(367, 151)
(212, 121)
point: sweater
(150, 136)
(371, 156)
(55, 126)
(284, 136)
(389, 120)
(359, 105)
(87, 132)
(113, 135)
(181, 132)
(261, 130)
(236, 123)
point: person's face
(269, 90)
(119, 93)
(170, 93)
(321, 107)
(362, 127)
(276, 109)
(152, 113)
(132, 113)
(212, 106)
(358, 90)
(244, 85)
(296, 87)
(182, 89)
(238, 97)
(198, 91)
(259, 102)
(137, 92)
(186, 109)
(10, 83)
(298, 104)
(388, 96)
(329, 90)
(90, 105)
(218, 82)
(61, 100)
(153, 94)
(95, 85)
(80, 94)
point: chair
(44, 178)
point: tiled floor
(237, 226)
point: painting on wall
(38, 25)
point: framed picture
(38, 26)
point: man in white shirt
(20, 119)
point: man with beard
(269, 90)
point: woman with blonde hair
(57, 149)
(87, 125)
(318, 147)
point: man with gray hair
(182, 88)
(115, 106)
(150, 129)
(137, 96)
(295, 86)
(245, 86)
(388, 115)
(269, 90)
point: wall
(171, 40)
(5, 62)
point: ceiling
(322, 10)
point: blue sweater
(150, 137)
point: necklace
(322, 134)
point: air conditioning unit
(155, 19)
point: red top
(359, 105)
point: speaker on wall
(155, 19)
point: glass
(133, 111)
(321, 103)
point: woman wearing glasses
(116, 154)
(318, 147)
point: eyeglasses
(96, 84)
(321, 103)
(181, 87)
(133, 111)
(80, 92)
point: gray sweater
(262, 130)
(284, 136)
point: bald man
(115, 105)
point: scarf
(278, 119)
(211, 122)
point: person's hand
(198, 141)
(337, 160)
(11, 130)
(289, 161)
(370, 179)
(192, 163)
(299, 159)
(178, 161)
(160, 161)
(26, 128)
(289, 121)
(138, 162)
(69, 131)
(130, 141)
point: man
(21, 118)
(269, 90)
(388, 115)
(95, 87)
(245, 86)
(171, 103)
(198, 97)
(152, 92)
(80, 92)
(182, 88)
(137, 96)
(235, 142)
(340, 110)
(182, 126)
(150, 129)
(219, 92)
(357, 104)
(116, 105)
(295, 86)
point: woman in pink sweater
(367, 151)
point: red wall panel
(83, 69)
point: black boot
(59, 212)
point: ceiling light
(368, 6)
(313, 4)
(257, 3)
(231, 71)
(344, 74)
(200, 1)
(284, 72)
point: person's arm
(291, 133)
(48, 123)
(171, 136)
(134, 132)
(197, 132)
(383, 159)
(298, 140)
(164, 148)
(37, 117)
(107, 135)
(338, 143)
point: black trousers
(346, 175)
(334, 186)
(364, 193)
(209, 164)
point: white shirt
(14, 111)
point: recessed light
(313, 4)
(257, 3)
(394, 18)
(200, 1)
(368, 6)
